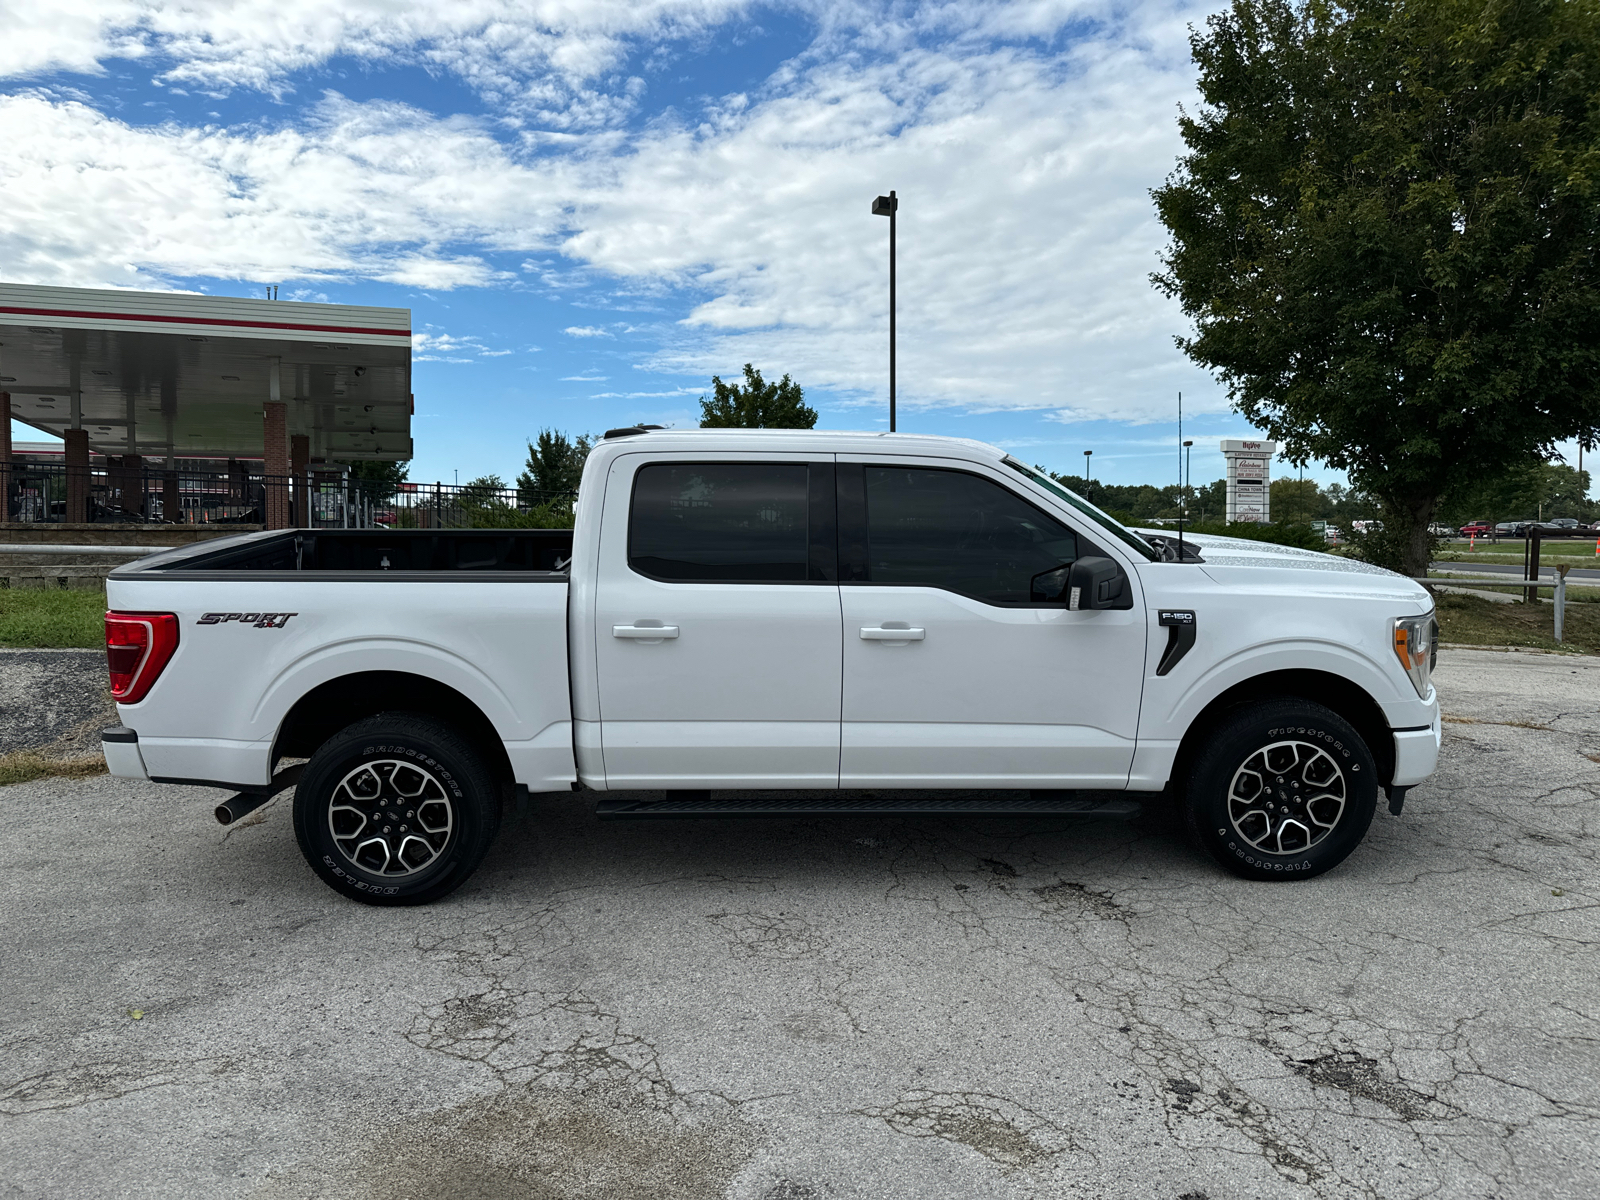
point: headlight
(1415, 645)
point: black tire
(1283, 789)
(396, 809)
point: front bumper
(1416, 751)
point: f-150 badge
(256, 620)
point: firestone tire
(396, 809)
(1284, 789)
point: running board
(689, 804)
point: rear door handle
(654, 633)
(893, 635)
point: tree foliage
(376, 480)
(756, 405)
(554, 468)
(1385, 232)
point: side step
(689, 804)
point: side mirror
(1049, 587)
(1095, 583)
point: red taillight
(138, 647)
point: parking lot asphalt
(799, 1010)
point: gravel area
(54, 701)
(799, 1010)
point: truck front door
(962, 665)
(717, 632)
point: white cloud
(538, 58)
(1026, 231)
(430, 346)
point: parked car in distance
(1477, 529)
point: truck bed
(342, 553)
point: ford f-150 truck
(774, 622)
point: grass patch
(1474, 621)
(1583, 557)
(57, 619)
(22, 766)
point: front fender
(1172, 703)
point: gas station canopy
(171, 375)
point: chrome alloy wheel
(1287, 797)
(391, 818)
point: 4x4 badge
(257, 620)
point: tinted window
(951, 530)
(719, 522)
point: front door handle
(647, 633)
(888, 634)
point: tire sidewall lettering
(1235, 743)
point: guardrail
(1530, 587)
(33, 548)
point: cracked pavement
(825, 1008)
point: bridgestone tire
(396, 809)
(1283, 789)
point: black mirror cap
(1095, 583)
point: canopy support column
(299, 461)
(5, 457)
(76, 444)
(275, 452)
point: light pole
(1088, 477)
(887, 206)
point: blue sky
(591, 208)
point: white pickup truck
(775, 623)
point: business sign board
(1249, 478)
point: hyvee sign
(1249, 478)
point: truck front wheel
(1283, 789)
(396, 809)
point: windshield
(1079, 504)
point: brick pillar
(299, 461)
(5, 457)
(275, 462)
(77, 457)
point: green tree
(375, 479)
(756, 405)
(1385, 232)
(553, 470)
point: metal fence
(110, 494)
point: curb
(1514, 649)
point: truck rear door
(718, 631)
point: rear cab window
(732, 522)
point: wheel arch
(337, 703)
(1345, 697)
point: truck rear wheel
(1284, 789)
(396, 809)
